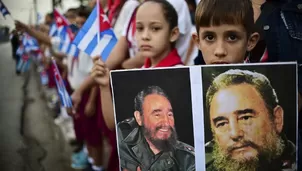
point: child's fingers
(98, 72)
(100, 64)
(95, 59)
(98, 68)
(98, 60)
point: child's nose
(220, 50)
(146, 35)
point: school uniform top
(173, 59)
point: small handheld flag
(96, 37)
(24, 63)
(62, 24)
(66, 35)
(3, 9)
(63, 94)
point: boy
(224, 30)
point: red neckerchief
(171, 60)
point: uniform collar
(171, 60)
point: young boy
(225, 30)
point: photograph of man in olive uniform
(247, 124)
(148, 141)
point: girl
(126, 52)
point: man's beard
(160, 144)
(270, 151)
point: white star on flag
(59, 20)
(105, 18)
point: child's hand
(76, 98)
(99, 72)
(90, 109)
(21, 26)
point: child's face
(225, 43)
(153, 34)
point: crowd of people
(159, 33)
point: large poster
(213, 118)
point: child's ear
(174, 34)
(252, 41)
(195, 38)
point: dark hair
(83, 12)
(73, 10)
(236, 77)
(50, 14)
(218, 12)
(169, 12)
(140, 97)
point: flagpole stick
(98, 19)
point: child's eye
(232, 38)
(139, 29)
(209, 37)
(155, 28)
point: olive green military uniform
(134, 152)
(287, 161)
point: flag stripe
(89, 35)
(92, 45)
(105, 39)
(106, 52)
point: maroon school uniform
(51, 77)
(88, 126)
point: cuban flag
(3, 9)
(20, 51)
(96, 37)
(24, 63)
(62, 24)
(29, 43)
(66, 35)
(63, 94)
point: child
(83, 97)
(225, 30)
(126, 54)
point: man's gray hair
(236, 76)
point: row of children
(154, 33)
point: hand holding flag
(21, 26)
(100, 72)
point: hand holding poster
(214, 118)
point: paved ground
(30, 141)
